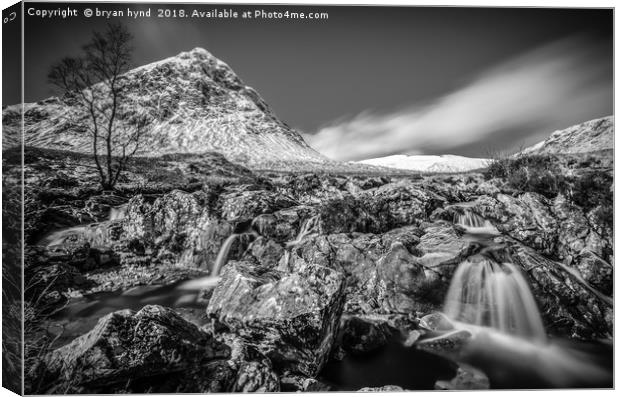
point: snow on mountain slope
(591, 136)
(196, 103)
(443, 163)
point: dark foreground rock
(152, 350)
(291, 318)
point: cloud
(560, 84)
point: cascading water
(485, 293)
(214, 277)
(491, 301)
(222, 256)
(95, 234)
(474, 223)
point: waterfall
(307, 228)
(95, 234)
(489, 294)
(222, 256)
(212, 279)
(474, 223)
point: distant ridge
(429, 163)
(591, 136)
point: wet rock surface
(323, 274)
(126, 351)
(289, 317)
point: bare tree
(96, 82)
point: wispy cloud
(556, 85)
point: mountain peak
(196, 104)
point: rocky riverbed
(327, 275)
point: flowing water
(493, 302)
(96, 234)
(490, 302)
(485, 293)
(212, 279)
(475, 224)
(82, 314)
(489, 299)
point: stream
(489, 300)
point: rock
(101, 207)
(466, 378)
(555, 228)
(136, 351)
(295, 383)
(405, 204)
(256, 377)
(364, 334)
(388, 388)
(254, 371)
(448, 344)
(595, 271)
(406, 286)
(566, 303)
(441, 248)
(312, 189)
(436, 322)
(266, 252)
(291, 318)
(377, 211)
(383, 272)
(283, 225)
(178, 227)
(526, 218)
(245, 204)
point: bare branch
(95, 84)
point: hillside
(196, 104)
(443, 163)
(590, 136)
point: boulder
(442, 248)
(178, 227)
(386, 273)
(292, 318)
(152, 350)
(266, 252)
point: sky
(376, 81)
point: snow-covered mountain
(196, 103)
(424, 163)
(591, 136)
